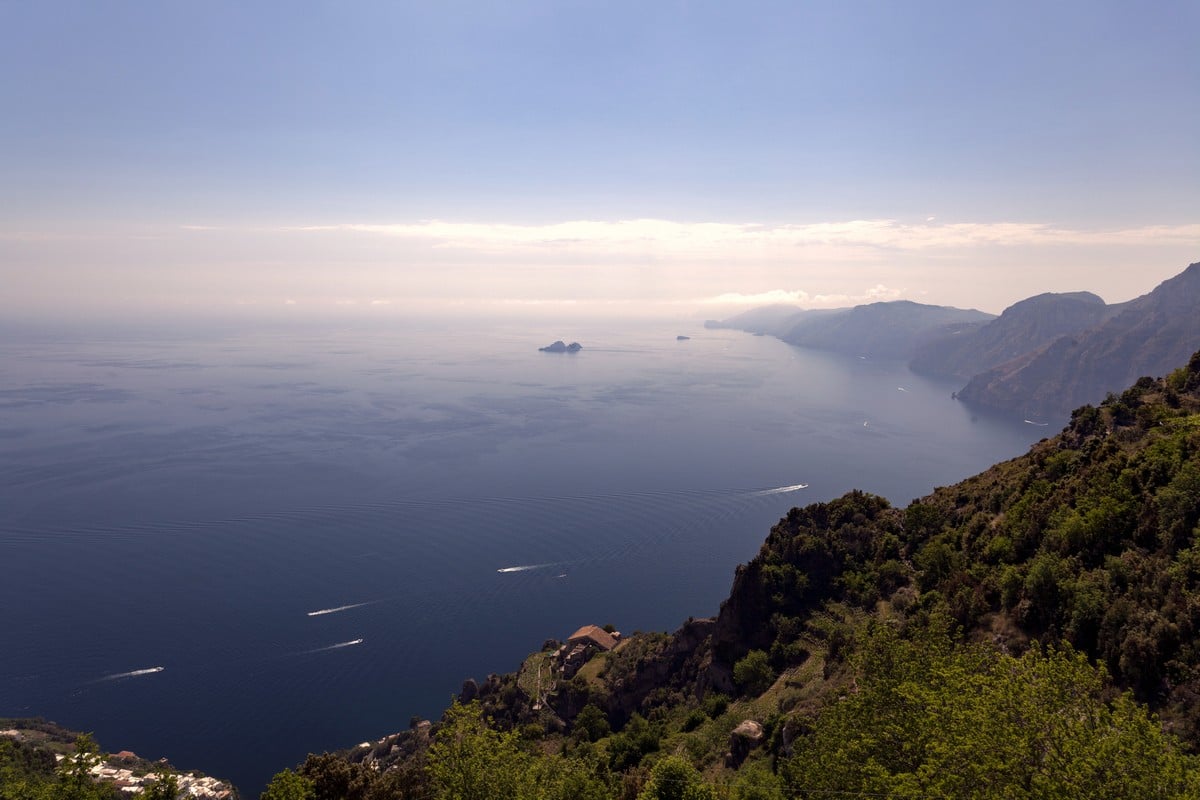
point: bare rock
(744, 738)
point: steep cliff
(1147, 337)
(1026, 326)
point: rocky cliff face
(1149, 336)
(1024, 327)
(681, 661)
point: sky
(670, 158)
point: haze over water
(237, 547)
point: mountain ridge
(1146, 336)
(1041, 357)
(885, 329)
(1021, 328)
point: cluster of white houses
(133, 784)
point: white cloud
(802, 298)
(773, 296)
(666, 237)
(634, 265)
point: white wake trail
(780, 490)
(322, 612)
(525, 567)
(133, 673)
(337, 646)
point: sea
(235, 543)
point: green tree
(936, 720)
(287, 785)
(637, 740)
(756, 781)
(21, 777)
(569, 778)
(335, 778)
(164, 787)
(75, 778)
(753, 674)
(674, 778)
(591, 724)
(471, 760)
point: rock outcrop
(560, 347)
(744, 738)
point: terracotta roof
(595, 635)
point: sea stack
(560, 347)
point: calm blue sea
(175, 504)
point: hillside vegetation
(1028, 632)
(40, 760)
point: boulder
(744, 738)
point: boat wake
(133, 673)
(780, 490)
(1039, 424)
(525, 567)
(322, 612)
(337, 646)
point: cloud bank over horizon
(635, 266)
(596, 158)
(715, 239)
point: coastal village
(130, 773)
(132, 782)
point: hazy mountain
(964, 350)
(881, 330)
(1042, 357)
(774, 320)
(1146, 337)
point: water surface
(238, 545)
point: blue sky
(657, 155)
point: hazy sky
(675, 157)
